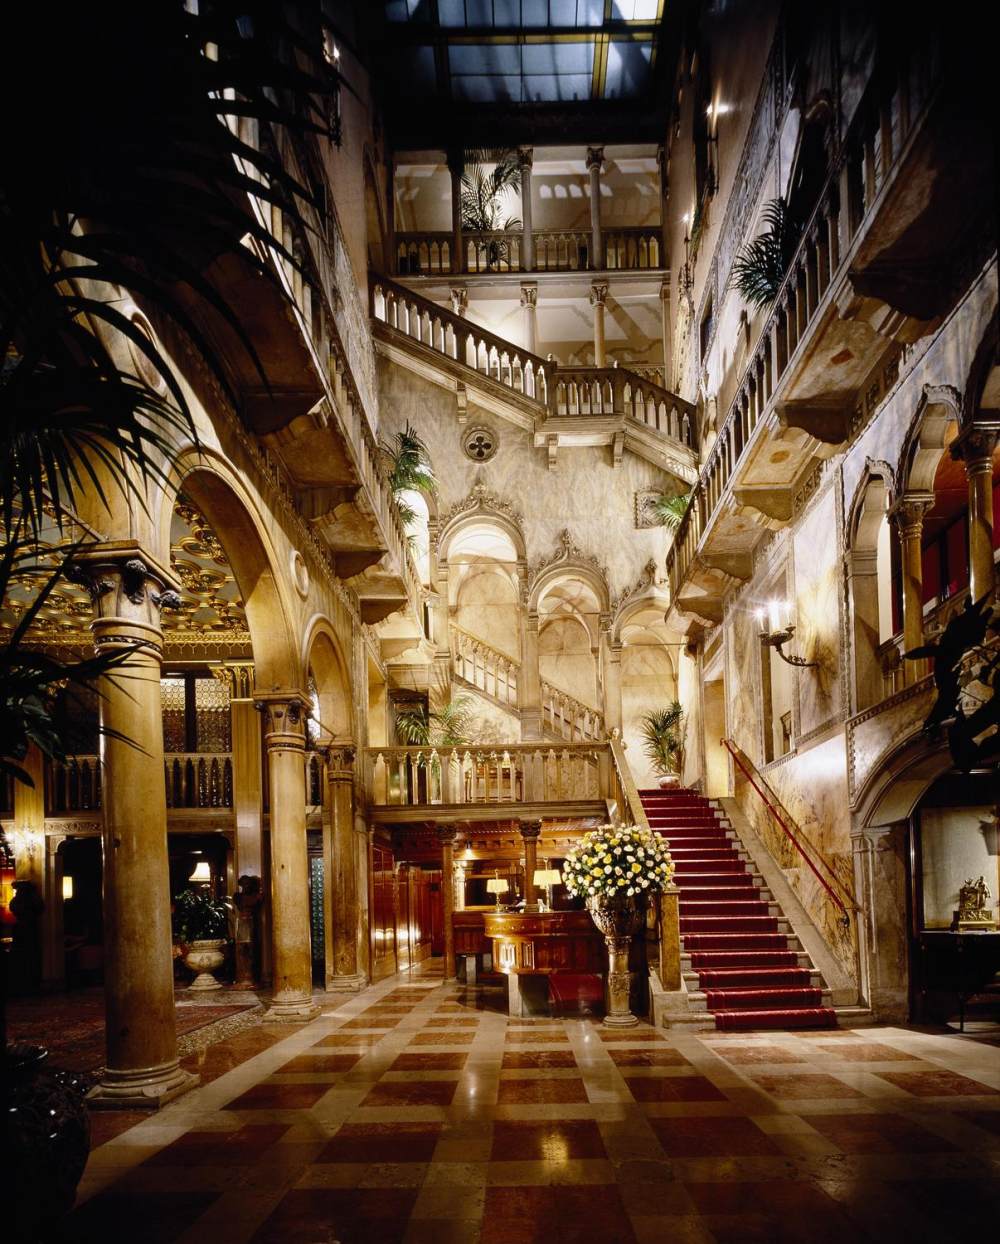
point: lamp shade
(202, 872)
(547, 876)
(497, 885)
(67, 887)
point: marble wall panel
(818, 572)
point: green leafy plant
(663, 738)
(200, 918)
(408, 466)
(491, 174)
(448, 725)
(670, 510)
(759, 268)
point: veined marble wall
(817, 614)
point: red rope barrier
(731, 748)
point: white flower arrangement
(617, 862)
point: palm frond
(663, 737)
(669, 511)
(759, 267)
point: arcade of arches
(367, 719)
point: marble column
(530, 683)
(612, 681)
(446, 836)
(456, 166)
(342, 905)
(529, 301)
(667, 333)
(525, 157)
(129, 588)
(247, 768)
(598, 297)
(908, 514)
(975, 448)
(530, 831)
(595, 162)
(880, 880)
(284, 741)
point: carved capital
(285, 715)
(446, 835)
(975, 448)
(530, 830)
(908, 513)
(340, 762)
(128, 589)
(459, 299)
(529, 295)
(237, 676)
(598, 295)
(525, 158)
(595, 158)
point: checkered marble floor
(418, 1111)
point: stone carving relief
(481, 499)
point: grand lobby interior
(454, 448)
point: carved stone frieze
(567, 552)
(480, 499)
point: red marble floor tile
(125, 1211)
(548, 1141)
(457, 1021)
(525, 1092)
(105, 1125)
(643, 1033)
(711, 1137)
(541, 1037)
(937, 1084)
(338, 1216)
(989, 1120)
(240, 1147)
(867, 1052)
(332, 1063)
(268, 1096)
(747, 1055)
(804, 1086)
(460, 1037)
(784, 1211)
(371, 1023)
(442, 1061)
(878, 1133)
(673, 1088)
(382, 1142)
(648, 1058)
(356, 1040)
(411, 1093)
(519, 1060)
(571, 1214)
(215, 1060)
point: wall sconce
(25, 842)
(777, 629)
(331, 54)
(67, 888)
(685, 279)
(202, 874)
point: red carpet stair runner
(745, 962)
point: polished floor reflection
(418, 1112)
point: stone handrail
(563, 250)
(458, 339)
(624, 790)
(492, 671)
(424, 253)
(73, 785)
(633, 249)
(496, 251)
(486, 774)
(619, 391)
(820, 261)
(428, 252)
(570, 718)
(198, 779)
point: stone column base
(294, 1009)
(146, 1088)
(344, 983)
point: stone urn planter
(668, 781)
(204, 957)
(619, 919)
(46, 1143)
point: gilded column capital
(908, 513)
(530, 830)
(129, 588)
(237, 677)
(285, 714)
(339, 762)
(975, 447)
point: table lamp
(547, 878)
(497, 885)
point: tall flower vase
(619, 919)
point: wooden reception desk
(529, 947)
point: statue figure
(246, 902)
(974, 905)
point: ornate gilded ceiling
(211, 613)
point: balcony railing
(430, 252)
(483, 667)
(569, 718)
(572, 391)
(845, 208)
(73, 785)
(491, 774)
(199, 779)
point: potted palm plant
(614, 869)
(201, 923)
(663, 733)
(490, 175)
